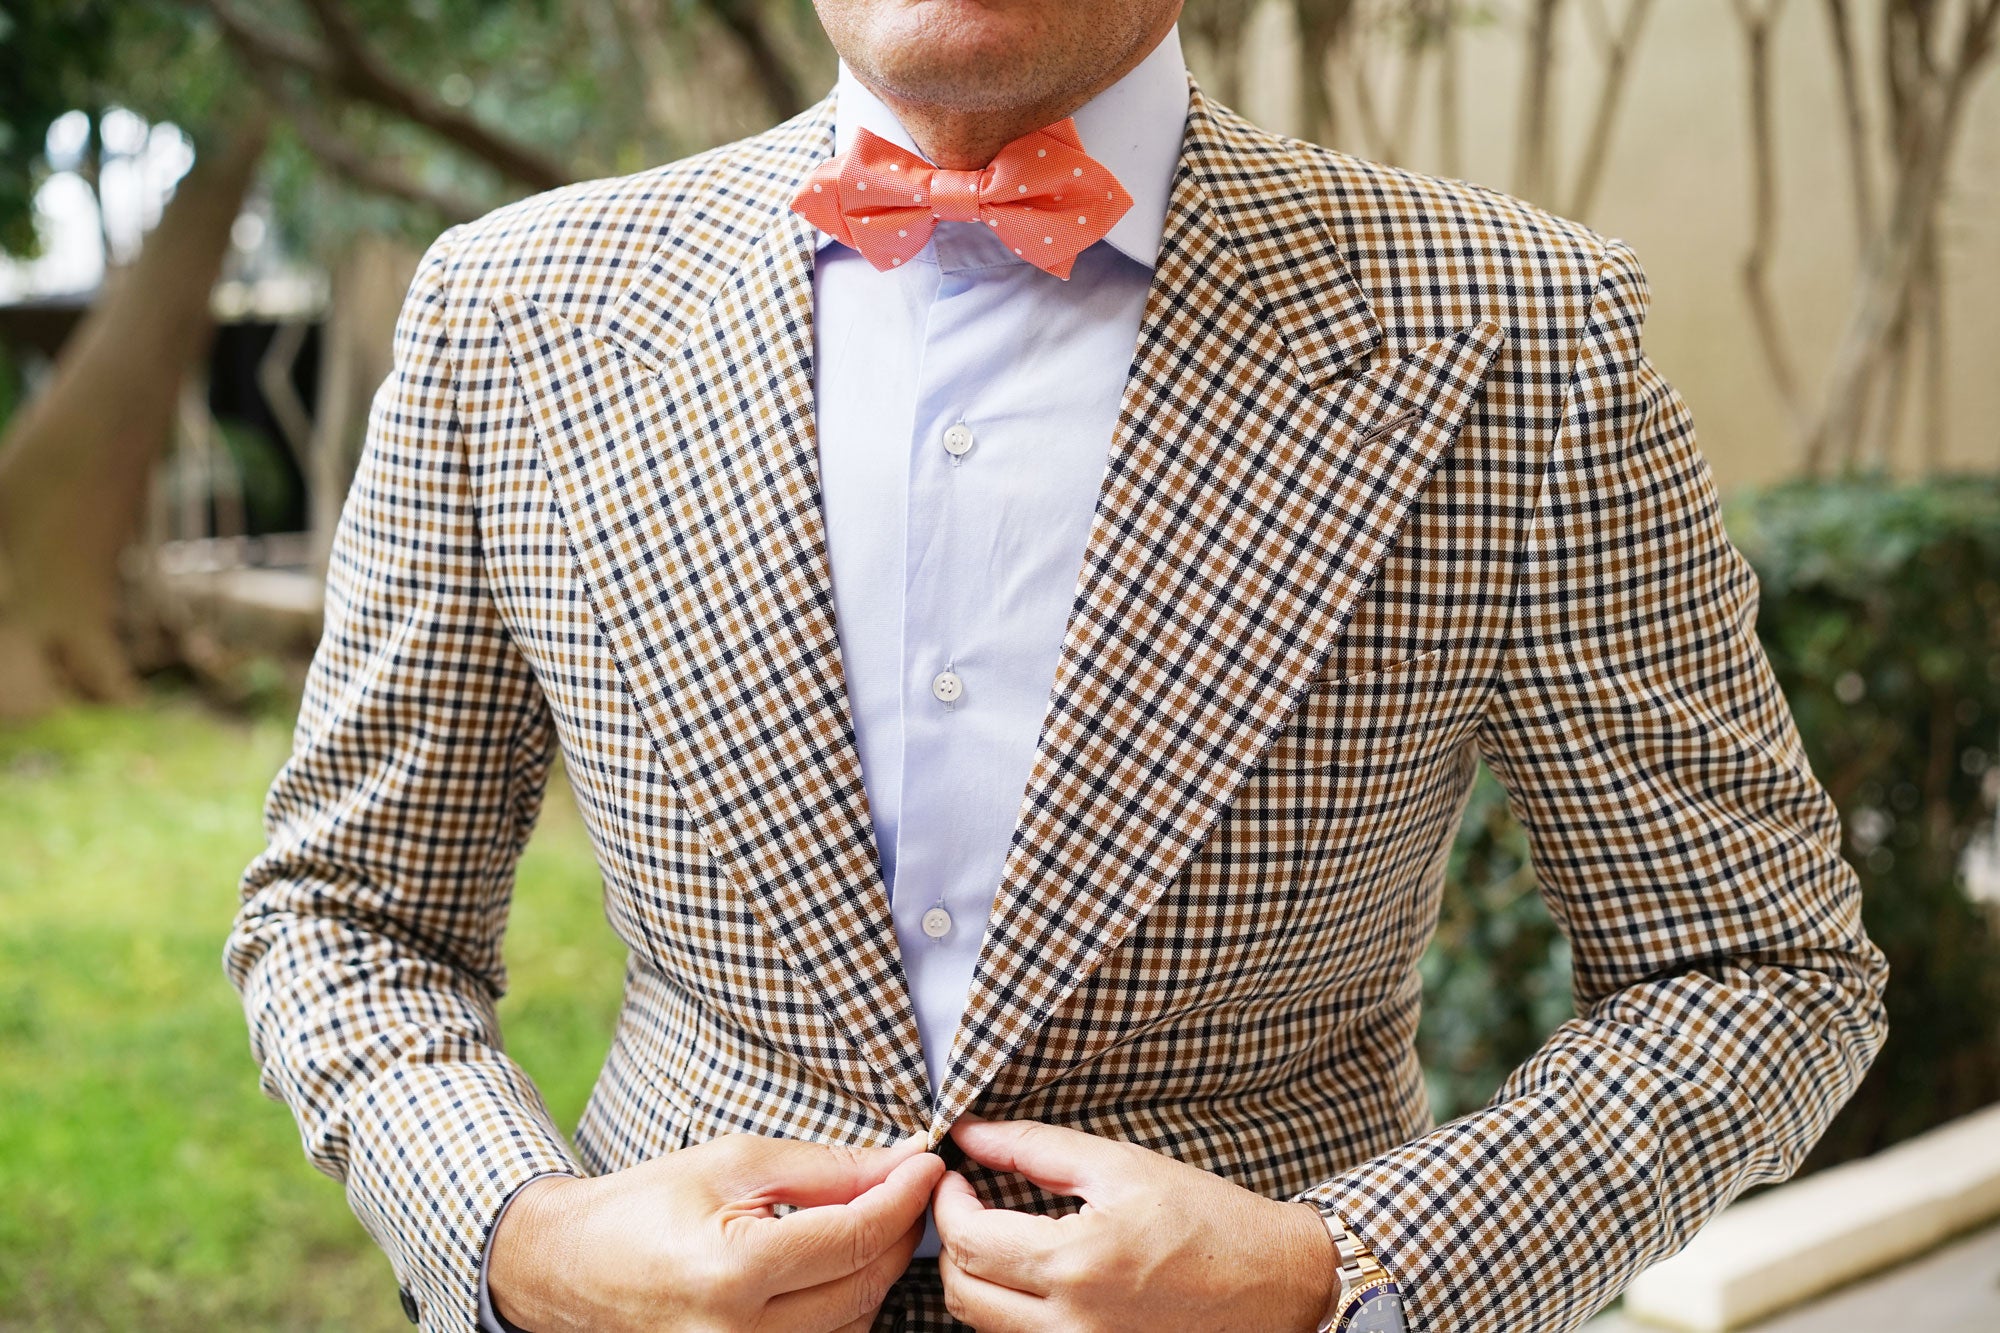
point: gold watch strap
(1357, 1267)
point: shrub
(1881, 616)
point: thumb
(1055, 1157)
(807, 1174)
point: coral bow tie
(1043, 195)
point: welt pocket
(1412, 669)
(1351, 720)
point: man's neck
(960, 140)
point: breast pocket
(1363, 720)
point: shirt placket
(939, 922)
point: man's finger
(804, 1173)
(1064, 1160)
(992, 1308)
(1009, 1248)
(854, 1298)
(827, 1242)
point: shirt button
(947, 687)
(937, 923)
(958, 439)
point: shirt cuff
(489, 1318)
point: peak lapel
(682, 451)
(1246, 504)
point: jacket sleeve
(367, 944)
(1728, 998)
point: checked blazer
(1393, 489)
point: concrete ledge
(1795, 1242)
(259, 594)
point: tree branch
(1219, 25)
(1756, 23)
(1927, 105)
(1930, 304)
(346, 158)
(1860, 172)
(647, 48)
(259, 43)
(1893, 372)
(363, 76)
(1450, 144)
(745, 21)
(1324, 26)
(1416, 54)
(1617, 67)
(346, 66)
(1375, 136)
(1531, 144)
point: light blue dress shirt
(965, 404)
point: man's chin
(970, 58)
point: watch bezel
(1358, 1295)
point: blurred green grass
(144, 1180)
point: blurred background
(209, 211)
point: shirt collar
(1133, 127)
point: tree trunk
(75, 463)
(1532, 150)
(356, 355)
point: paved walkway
(1955, 1289)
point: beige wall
(1678, 189)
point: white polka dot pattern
(1015, 195)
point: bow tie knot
(1042, 195)
(955, 194)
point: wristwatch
(1369, 1301)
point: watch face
(1381, 1312)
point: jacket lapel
(1253, 486)
(682, 452)
(1250, 493)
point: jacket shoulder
(1382, 202)
(1431, 254)
(573, 248)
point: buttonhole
(1396, 422)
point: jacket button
(409, 1304)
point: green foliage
(157, 58)
(1496, 975)
(271, 499)
(11, 388)
(49, 53)
(579, 84)
(1881, 615)
(147, 1182)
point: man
(1022, 701)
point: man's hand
(1158, 1244)
(692, 1240)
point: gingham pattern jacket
(1393, 488)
